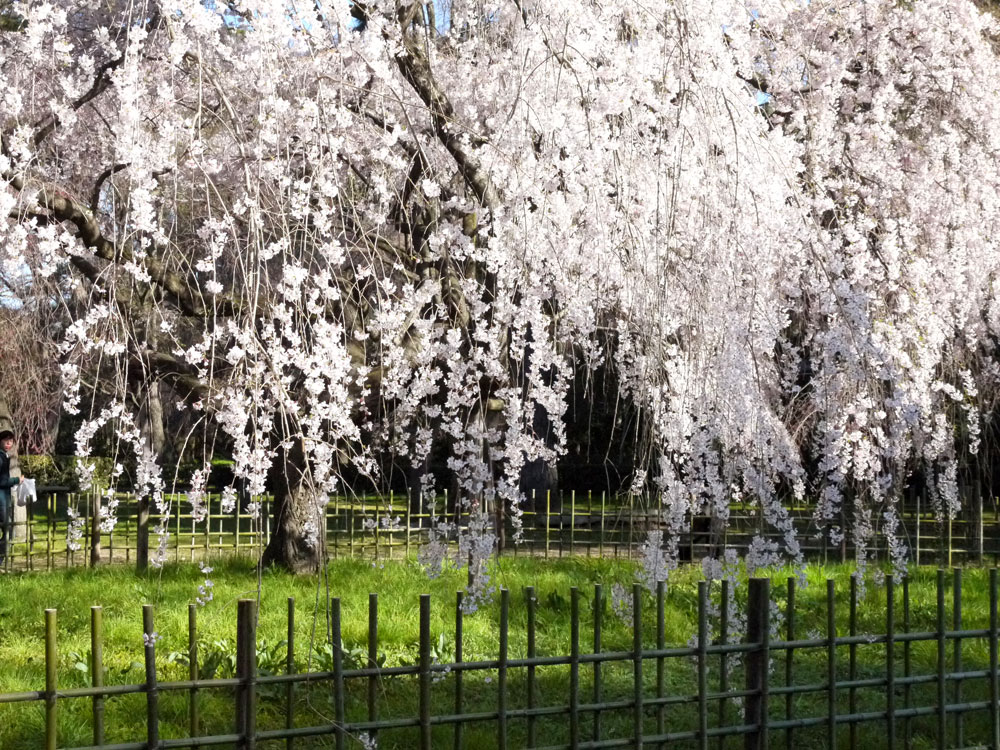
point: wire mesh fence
(747, 677)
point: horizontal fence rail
(66, 529)
(723, 688)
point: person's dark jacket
(6, 480)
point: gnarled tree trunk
(298, 537)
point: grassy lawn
(121, 592)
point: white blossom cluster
(338, 246)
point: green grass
(121, 592)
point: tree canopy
(339, 236)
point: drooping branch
(102, 80)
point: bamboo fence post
(87, 538)
(994, 663)
(246, 673)
(51, 669)
(790, 660)
(50, 519)
(590, 521)
(97, 671)
(548, 521)
(574, 668)
(193, 718)
(424, 673)
(601, 541)
(957, 655)
(723, 657)
(290, 669)
(661, 662)
(758, 630)
(142, 534)
(890, 662)
(917, 550)
(459, 693)
(598, 616)
(572, 522)
(502, 670)
(149, 637)
(852, 659)
(529, 595)
(831, 665)
(373, 663)
(979, 522)
(942, 698)
(637, 710)
(337, 642)
(907, 663)
(703, 665)
(95, 532)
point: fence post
(142, 535)
(598, 612)
(848, 498)
(789, 660)
(149, 637)
(548, 521)
(951, 544)
(831, 665)
(502, 669)
(758, 633)
(290, 669)
(50, 516)
(246, 672)
(95, 531)
(193, 719)
(637, 712)
(979, 520)
(529, 595)
(97, 671)
(917, 550)
(703, 665)
(723, 660)
(51, 667)
(956, 664)
(994, 663)
(425, 672)
(890, 662)
(337, 643)
(459, 693)
(942, 698)
(661, 665)
(574, 666)
(852, 661)
(373, 660)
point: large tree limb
(416, 69)
(189, 299)
(179, 374)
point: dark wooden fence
(591, 697)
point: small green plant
(352, 657)
(215, 659)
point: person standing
(6, 483)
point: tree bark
(298, 542)
(151, 425)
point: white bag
(26, 492)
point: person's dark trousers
(6, 516)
